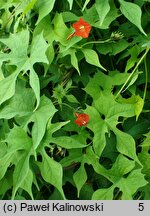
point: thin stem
(146, 10)
(78, 3)
(146, 79)
(55, 102)
(95, 42)
(116, 196)
(132, 72)
(111, 62)
(68, 106)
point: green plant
(74, 99)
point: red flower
(82, 119)
(82, 29)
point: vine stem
(78, 3)
(146, 79)
(55, 103)
(131, 74)
(96, 42)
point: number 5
(141, 207)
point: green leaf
(131, 184)
(132, 81)
(34, 83)
(144, 157)
(86, 192)
(70, 142)
(40, 118)
(38, 49)
(75, 156)
(20, 172)
(138, 105)
(99, 140)
(137, 102)
(4, 164)
(112, 48)
(132, 12)
(44, 7)
(21, 104)
(71, 44)
(71, 98)
(5, 183)
(146, 141)
(85, 4)
(146, 44)
(133, 52)
(110, 17)
(69, 16)
(126, 144)
(1, 72)
(146, 191)
(70, 3)
(92, 16)
(29, 6)
(56, 195)
(27, 183)
(18, 139)
(99, 79)
(105, 104)
(121, 167)
(80, 177)
(60, 30)
(7, 87)
(50, 54)
(51, 128)
(92, 58)
(128, 186)
(102, 8)
(4, 4)
(51, 172)
(18, 56)
(74, 60)
(72, 52)
(47, 32)
(92, 158)
(103, 194)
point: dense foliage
(74, 99)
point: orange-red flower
(82, 29)
(82, 119)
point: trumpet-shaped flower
(82, 29)
(82, 119)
